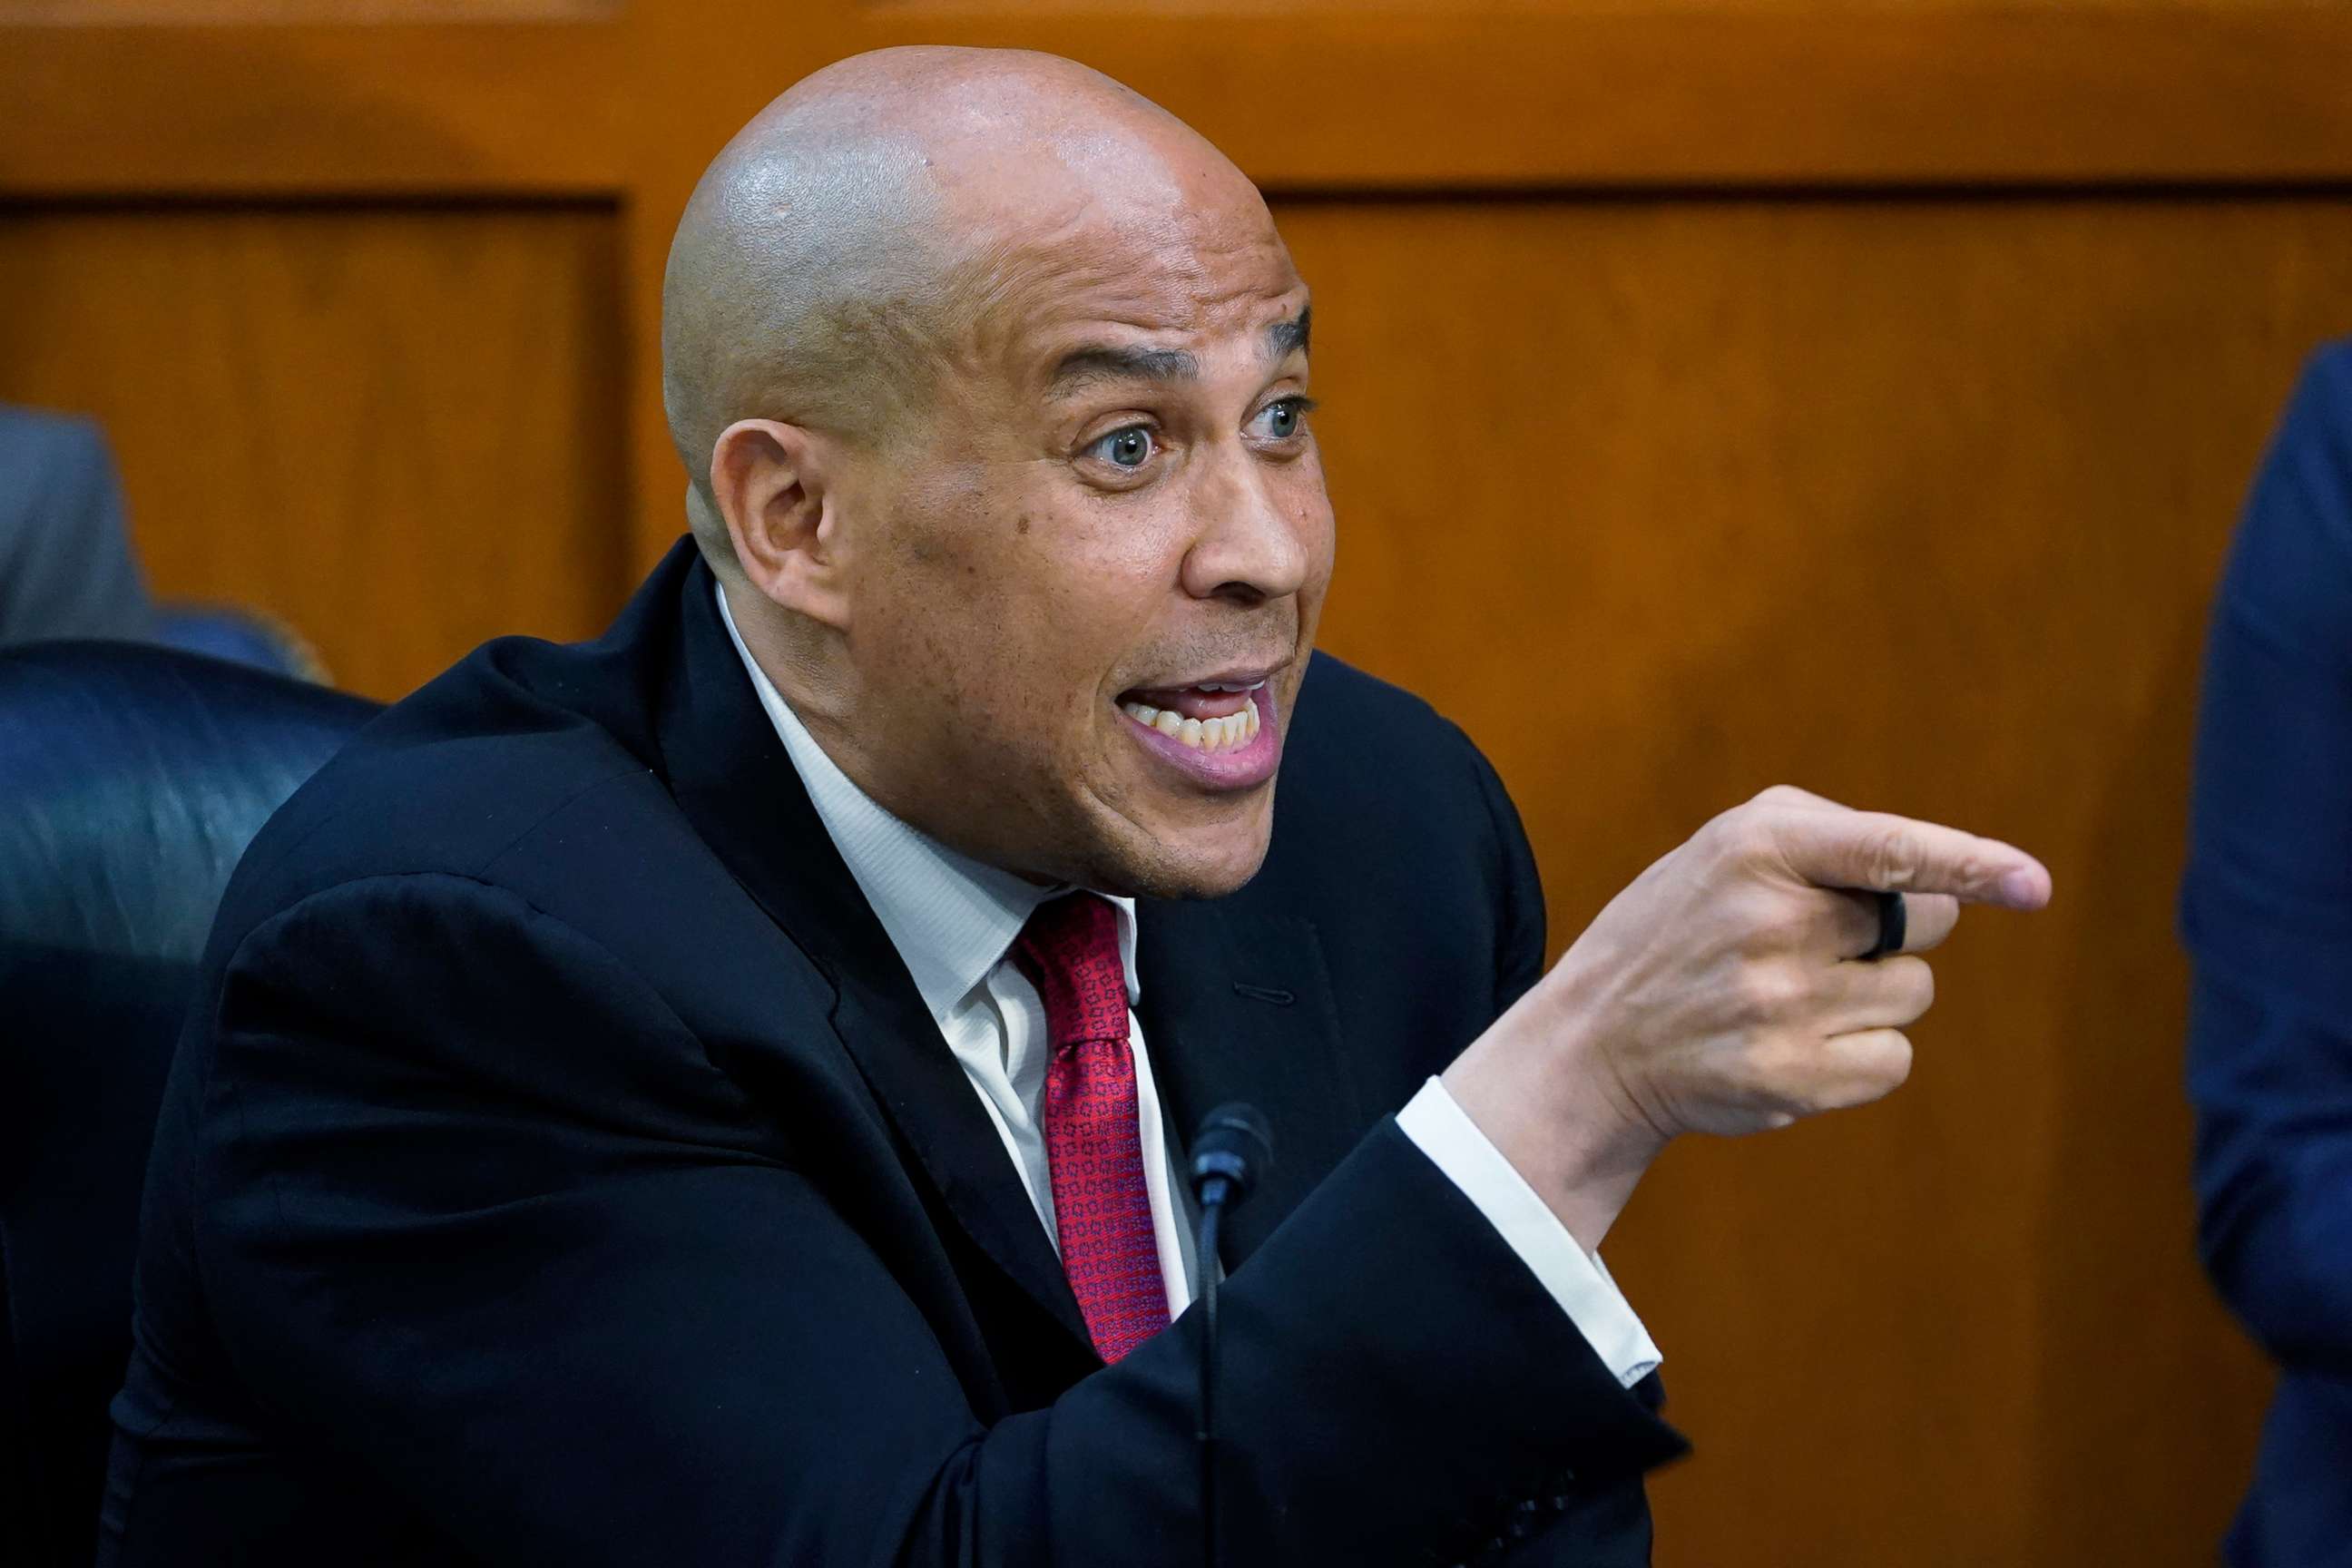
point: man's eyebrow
(1286, 337)
(1103, 361)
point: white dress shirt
(954, 920)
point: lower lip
(1241, 767)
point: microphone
(1233, 1146)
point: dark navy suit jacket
(2267, 914)
(560, 1167)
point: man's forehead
(1090, 353)
(1146, 239)
(1138, 283)
(1151, 270)
(1245, 301)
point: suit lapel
(1237, 1005)
(897, 1046)
(730, 775)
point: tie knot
(1069, 951)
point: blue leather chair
(242, 637)
(131, 778)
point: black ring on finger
(1894, 926)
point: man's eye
(1128, 448)
(1284, 417)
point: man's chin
(1192, 865)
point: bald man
(719, 1094)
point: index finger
(1890, 854)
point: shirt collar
(952, 917)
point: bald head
(844, 247)
(992, 379)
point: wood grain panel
(1410, 98)
(434, 111)
(368, 13)
(1376, 12)
(1915, 503)
(397, 429)
(1436, 96)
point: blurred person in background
(67, 569)
(2266, 913)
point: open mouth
(1209, 718)
(1218, 734)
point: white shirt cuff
(1576, 1278)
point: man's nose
(1254, 540)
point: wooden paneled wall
(1744, 391)
(1916, 502)
(392, 428)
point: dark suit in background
(560, 1166)
(2267, 914)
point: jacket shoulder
(1364, 753)
(1353, 695)
(446, 780)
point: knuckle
(1878, 1063)
(1960, 869)
(1923, 987)
(1780, 794)
(1784, 1065)
(1766, 992)
(1933, 915)
(1890, 858)
(1790, 1075)
(1897, 1067)
(1763, 918)
(1743, 835)
(1889, 1064)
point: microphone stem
(1213, 1207)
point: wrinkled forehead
(1113, 243)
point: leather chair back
(132, 779)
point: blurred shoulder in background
(67, 568)
(66, 564)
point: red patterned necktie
(1069, 951)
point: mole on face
(1021, 524)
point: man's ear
(771, 482)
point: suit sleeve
(481, 1217)
(1519, 957)
(2266, 907)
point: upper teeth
(1201, 735)
(1228, 686)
